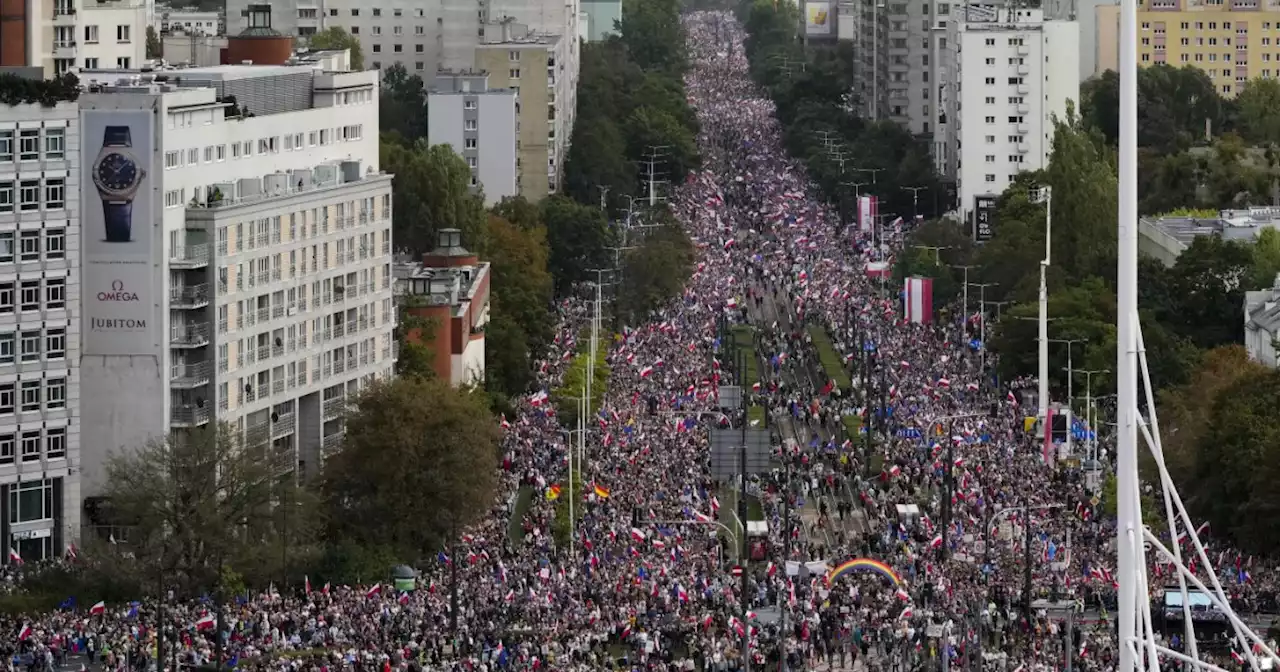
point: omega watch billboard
(118, 232)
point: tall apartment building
(535, 67)
(916, 37)
(39, 328)
(1014, 72)
(61, 36)
(1233, 41)
(237, 266)
(480, 124)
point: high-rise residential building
(1232, 41)
(39, 327)
(534, 65)
(238, 256)
(916, 37)
(61, 36)
(479, 122)
(1013, 74)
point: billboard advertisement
(984, 211)
(867, 213)
(818, 19)
(118, 232)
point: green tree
(652, 128)
(598, 158)
(1082, 173)
(198, 500)
(520, 212)
(1209, 281)
(432, 192)
(1238, 462)
(653, 35)
(654, 273)
(155, 47)
(1258, 107)
(522, 286)
(506, 356)
(417, 466)
(578, 239)
(1174, 106)
(402, 108)
(337, 38)
(416, 336)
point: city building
(449, 290)
(39, 327)
(916, 37)
(238, 256)
(599, 19)
(535, 67)
(183, 21)
(1014, 73)
(1166, 238)
(1233, 41)
(64, 35)
(1262, 324)
(200, 51)
(480, 124)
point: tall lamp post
(1045, 195)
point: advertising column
(118, 233)
(866, 213)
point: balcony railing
(192, 296)
(189, 335)
(189, 415)
(190, 375)
(333, 408)
(283, 426)
(189, 256)
(331, 444)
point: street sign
(730, 397)
(726, 452)
(1094, 501)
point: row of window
(267, 231)
(31, 345)
(33, 245)
(32, 195)
(271, 145)
(29, 296)
(31, 501)
(33, 144)
(33, 396)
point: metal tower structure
(1140, 645)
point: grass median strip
(515, 527)
(832, 363)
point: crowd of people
(647, 578)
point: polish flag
(701, 517)
(504, 423)
(206, 622)
(637, 534)
(902, 595)
(895, 470)
(374, 590)
(936, 543)
(97, 609)
(24, 633)
(538, 399)
(729, 243)
(644, 373)
(906, 613)
(771, 570)
(715, 504)
(14, 557)
(510, 596)
(944, 382)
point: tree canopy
(336, 38)
(418, 464)
(432, 192)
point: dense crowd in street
(646, 581)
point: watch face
(117, 172)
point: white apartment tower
(238, 264)
(39, 327)
(480, 124)
(1014, 73)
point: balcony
(256, 435)
(283, 426)
(189, 256)
(264, 314)
(351, 364)
(65, 48)
(64, 15)
(187, 376)
(189, 415)
(333, 408)
(191, 297)
(331, 444)
(189, 335)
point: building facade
(449, 291)
(61, 36)
(240, 269)
(39, 328)
(1232, 41)
(1014, 74)
(599, 18)
(480, 124)
(535, 67)
(188, 22)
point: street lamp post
(1045, 195)
(949, 474)
(1070, 376)
(915, 199)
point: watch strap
(117, 217)
(117, 136)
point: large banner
(867, 211)
(118, 231)
(918, 300)
(818, 20)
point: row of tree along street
(205, 512)
(1218, 440)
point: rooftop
(1243, 225)
(279, 185)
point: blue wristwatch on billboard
(117, 175)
